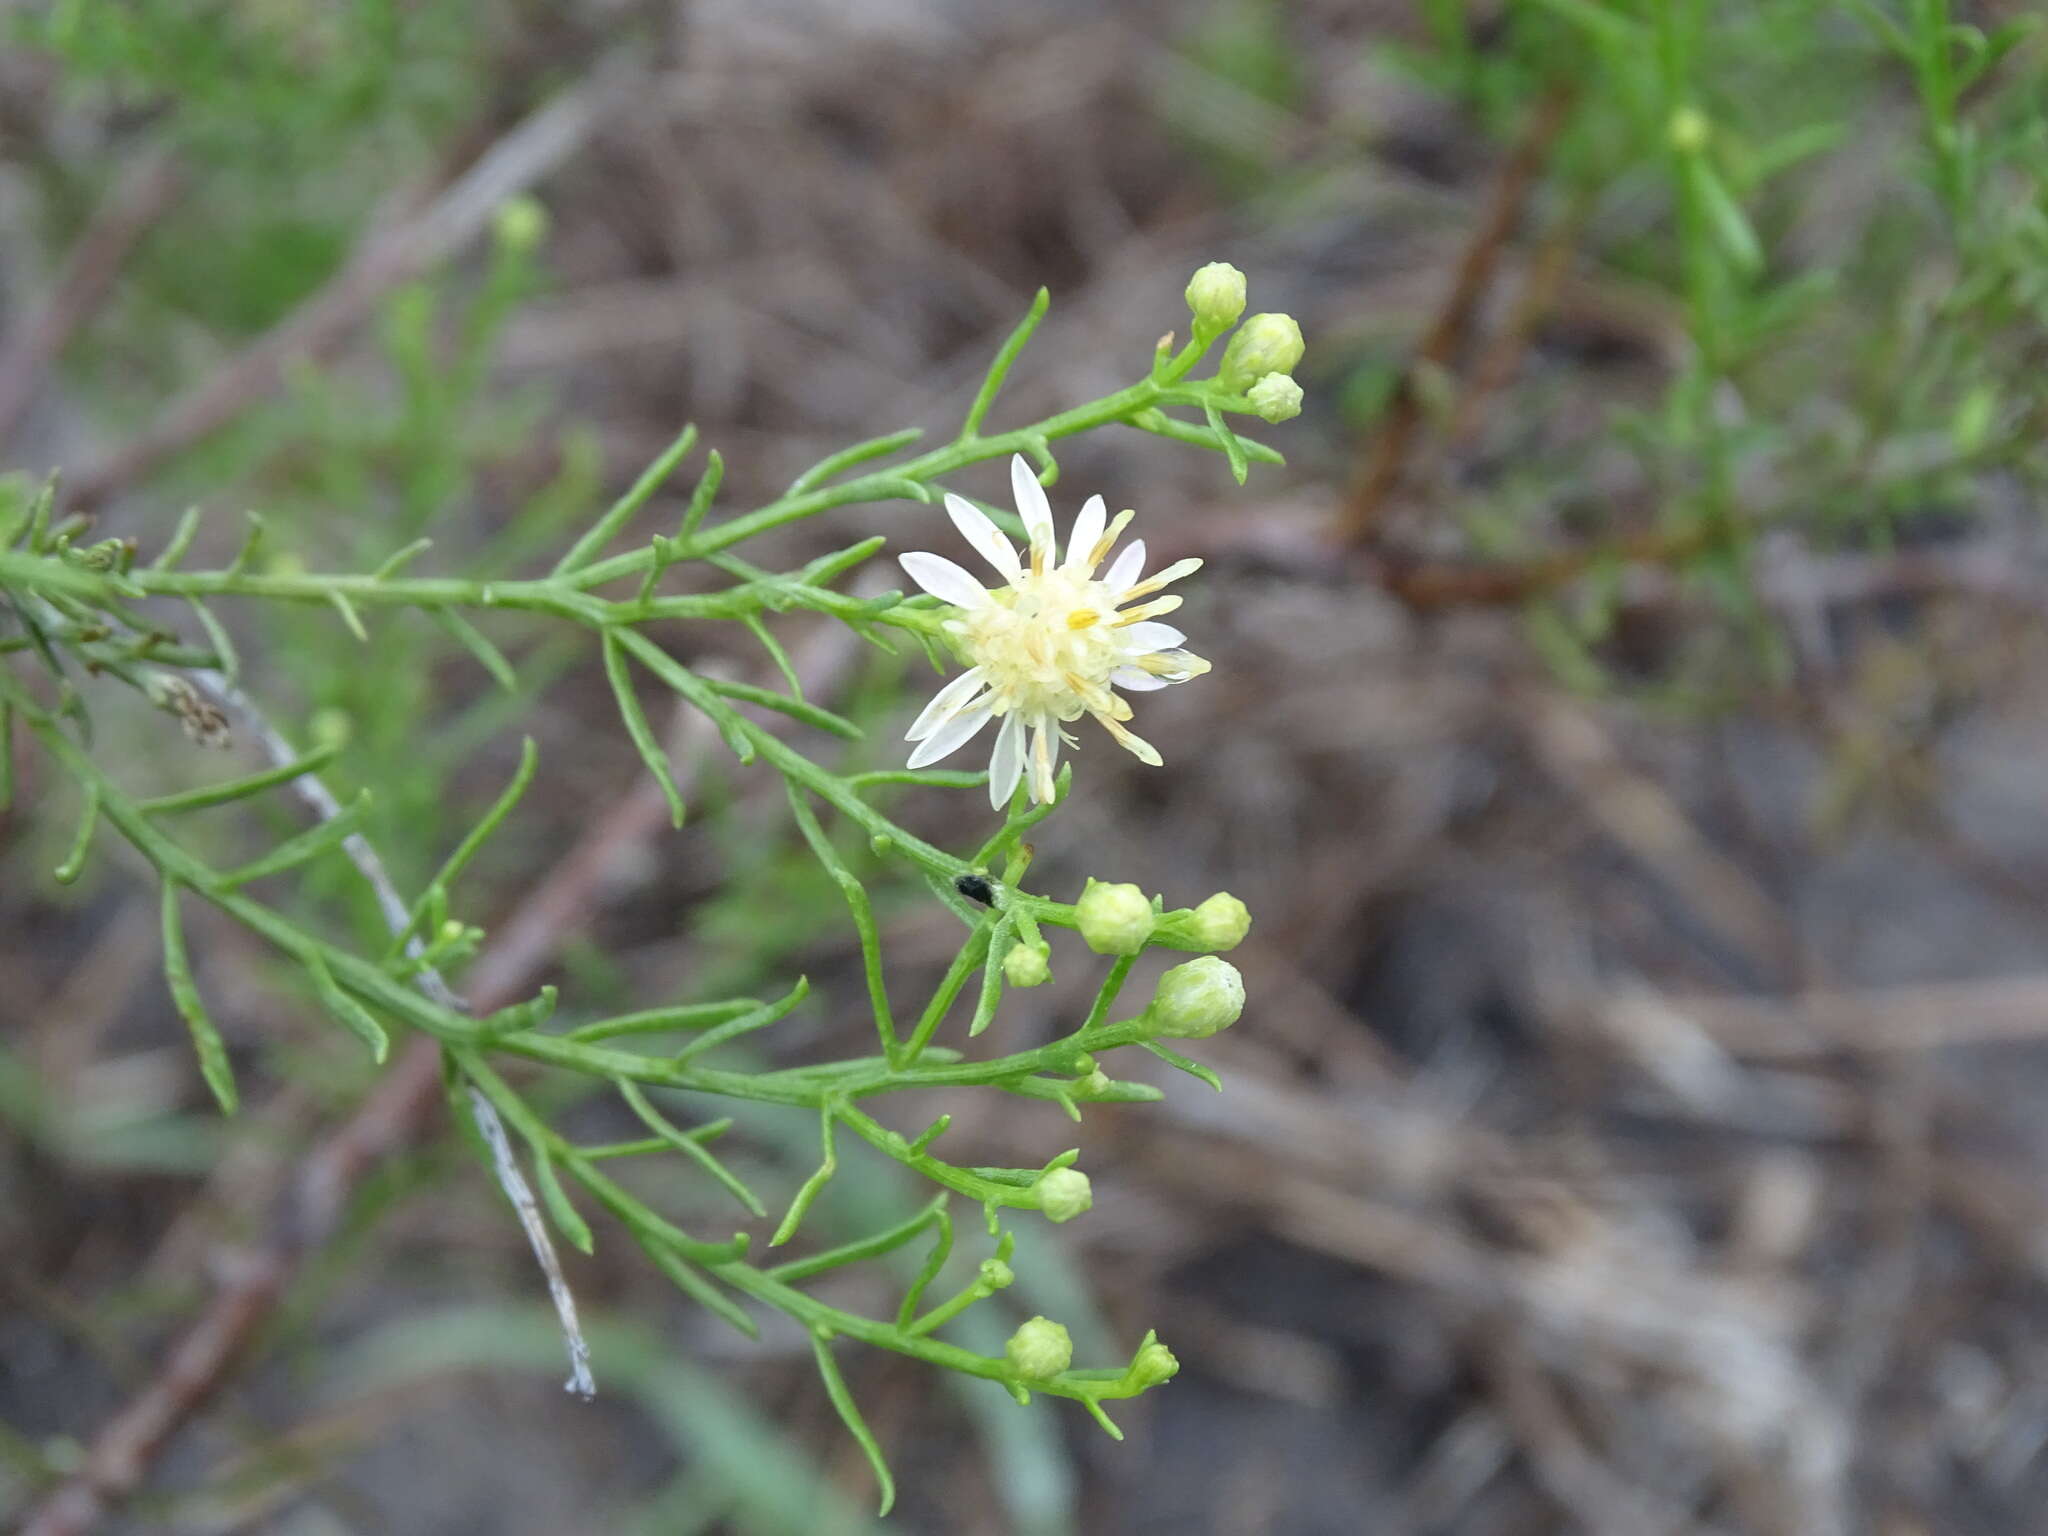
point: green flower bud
(1039, 1350)
(1197, 999)
(1152, 1365)
(331, 726)
(1276, 398)
(1114, 919)
(1025, 965)
(1063, 1194)
(1094, 1085)
(1263, 344)
(1689, 130)
(1216, 297)
(994, 1275)
(1221, 922)
(521, 223)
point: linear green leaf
(295, 851)
(999, 367)
(607, 527)
(206, 1040)
(473, 640)
(638, 729)
(81, 842)
(655, 1121)
(849, 1414)
(346, 1009)
(238, 789)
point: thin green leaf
(1159, 424)
(568, 1220)
(746, 1023)
(860, 453)
(701, 498)
(400, 559)
(239, 789)
(226, 661)
(206, 1040)
(654, 1020)
(863, 917)
(1233, 450)
(1174, 1059)
(295, 851)
(436, 894)
(930, 778)
(81, 842)
(473, 640)
(607, 527)
(687, 1278)
(181, 542)
(348, 613)
(655, 1121)
(849, 1414)
(759, 630)
(1731, 225)
(637, 728)
(346, 1009)
(813, 1186)
(999, 368)
(934, 1261)
(862, 1249)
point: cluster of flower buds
(1260, 359)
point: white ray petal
(1137, 680)
(1126, 568)
(951, 736)
(987, 539)
(1087, 530)
(1006, 763)
(944, 580)
(947, 703)
(1032, 507)
(1147, 636)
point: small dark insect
(976, 888)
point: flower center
(1046, 645)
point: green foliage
(86, 609)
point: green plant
(82, 613)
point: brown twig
(1359, 517)
(138, 200)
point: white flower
(1051, 644)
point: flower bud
(1689, 130)
(1197, 999)
(1025, 965)
(1276, 398)
(1263, 344)
(1152, 1365)
(1216, 296)
(1093, 1086)
(1063, 1193)
(521, 223)
(1221, 922)
(1114, 919)
(1039, 1350)
(994, 1275)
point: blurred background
(1626, 730)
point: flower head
(1053, 643)
(1063, 1193)
(1263, 344)
(1040, 1349)
(1196, 999)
